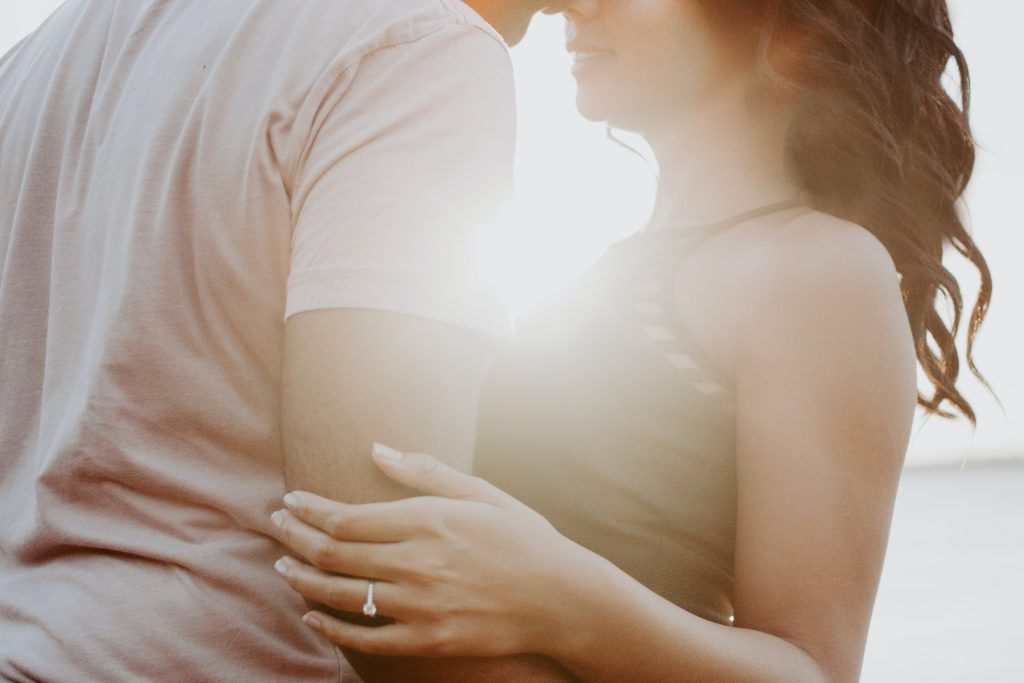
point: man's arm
(352, 377)
(407, 153)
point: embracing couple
(240, 331)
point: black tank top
(609, 420)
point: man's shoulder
(397, 22)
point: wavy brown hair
(876, 139)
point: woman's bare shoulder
(815, 264)
(771, 276)
(824, 289)
(819, 248)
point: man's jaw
(511, 18)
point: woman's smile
(586, 57)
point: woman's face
(641, 64)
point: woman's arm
(826, 390)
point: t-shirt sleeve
(410, 155)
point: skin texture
(802, 310)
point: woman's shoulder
(816, 247)
(817, 262)
(824, 285)
(781, 282)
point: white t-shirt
(176, 178)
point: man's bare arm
(353, 377)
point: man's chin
(514, 34)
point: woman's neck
(721, 160)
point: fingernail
(278, 519)
(291, 500)
(281, 567)
(311, 621)
(386, 452)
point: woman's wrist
(574, 604)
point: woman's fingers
(397, 640)
(431, 476)
(373, 522)
(340, 592)
(377, 560)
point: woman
(692, 457)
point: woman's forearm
(453, 591)
(614, 629)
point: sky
(577, 192)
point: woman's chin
(597, 109)
(591, 116)
(615, 117)
(615, 109)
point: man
(235, 240)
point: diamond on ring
(369, 609)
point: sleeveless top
(609, 420)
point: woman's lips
(582, 59)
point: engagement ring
(369, 609)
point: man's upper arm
(352, 377)
(411, 150)
(386, 332)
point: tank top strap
(648, 252)
(693, 235)
(646, 271)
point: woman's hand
(466, 570)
